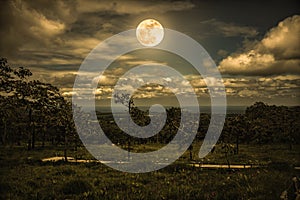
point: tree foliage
(263, 124)
(30, 109)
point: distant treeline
(260, 124)
(33, 112)
(263, 124)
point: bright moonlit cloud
(276, 53)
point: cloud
(277, 53)
(52, 38)
(69, 94)
(215, 26)
(251, 87)
(238, 88)
(143, 62)
(285, 86)
(30, 28)
(36, 33)
(254, 87)
(131, 7)
(27, 26)
(284, 41)
(45, 59)
(58, 79)
(247, 93)
(80, 46)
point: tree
(227, 150)
(238, 130)
(273, 123)
(10, 80)
(31, 103)
(173, 123)
(127, 101)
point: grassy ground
(24, 176)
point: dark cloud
(216, 27)
(23, 26)
(132, 7)
(92, 23)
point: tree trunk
(65, 155)
(128, 149)
(128, 144)
(66, 147)
(191, 152)
(33, 137)
(237, 144)
(29, 144)
(4, 133)
(227, 160)
(30, 129)
(43, 139)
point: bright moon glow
(150, 32)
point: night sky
(255, 44)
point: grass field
(24, 176)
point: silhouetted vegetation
(36, 121)
(32, 111)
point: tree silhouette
(10, 81)
(42, 103)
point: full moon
(150, 32)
